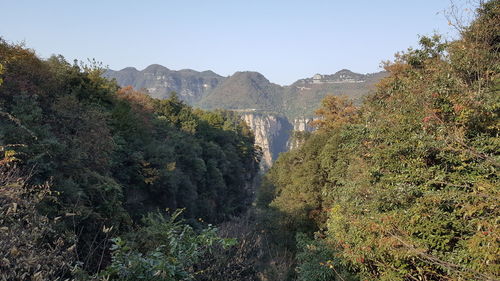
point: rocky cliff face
(160, 81)
(300, 125)
(271, 135)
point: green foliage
(251, 90)
(164, 249)
(112, 155)
(240, 261)
(245, 90)
(406, 186)
(317, 262)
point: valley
(157, 174)
(272, 111)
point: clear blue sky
(283, 39)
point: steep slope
(303, 97)
(83, 161)
(406, 186)
(245, 90)
(160, 81)
(272, 111)
(271, 135)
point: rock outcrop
(159, 81)
(300, 125)
(271, 135)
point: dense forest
(101, 182)
(405, 186)
(84, 161)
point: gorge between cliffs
(273, 134)
(273, 112)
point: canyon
(272, 111)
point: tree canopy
(111, 155)
(405, 186)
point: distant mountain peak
(243, 90)
(209, 72)
(160, 81)
(129, 69)
(346, 71)
(246, 89)
(341, 76)
(250, 75)
(156, 68)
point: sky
(285, 40)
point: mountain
(271, 110)
(304, 96)
(244, 90)
(160, 81)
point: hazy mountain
(160, 81)
(304, 96)
(246, 90)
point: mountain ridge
(109, 73)
(159, 81)
(272, 111)
(246, 89)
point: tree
(406, 184)
(334, 112)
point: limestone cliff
(160, 81)
(271, 135)
(301, 124)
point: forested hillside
(102, 182)
(405, 186)
(84, 161)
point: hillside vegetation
(244, 90)
(405, 186)
(302, 98)
(84, 161)
(99, 182)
